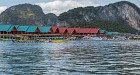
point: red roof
(54, 28)
(84, 30)
(76, 29)
(62, 30)
(94, 30)
(70, 30)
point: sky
(59, 6)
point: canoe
(28, 41)
(59, 41)
(37, 41)
(4, 39)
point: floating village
(24, 34)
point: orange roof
(94, 30)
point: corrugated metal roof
(94, 30)
(62, 30)
(115, 33)
(54, 28)
(45, 29)
(5, 27)
(76, 29)
(31, 29)
(11, 28)
(22, 28)
(70, 30)
(16, 26)
(84, 30)
(102, 31)
(109, 33)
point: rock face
(28, 14)
(51, 19)
(121, 12)
(23, 14)
(121, 16)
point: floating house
(51, 31)
(6, 29)
(95, 31)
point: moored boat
(134, 38)
(92, 38)
(59, 41)
(41, 41)
(29, 41)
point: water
(71, 58)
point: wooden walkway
(22, 35)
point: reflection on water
(71, 58)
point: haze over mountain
(121, 16)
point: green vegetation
(105, 17)
(109, 26)
(96, 17)
(23, 14)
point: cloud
(2, 8)
(59, 6)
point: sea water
(70, 58)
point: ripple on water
(72, 58)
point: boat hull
(36, 41)
(29, 41)
(59, 41)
